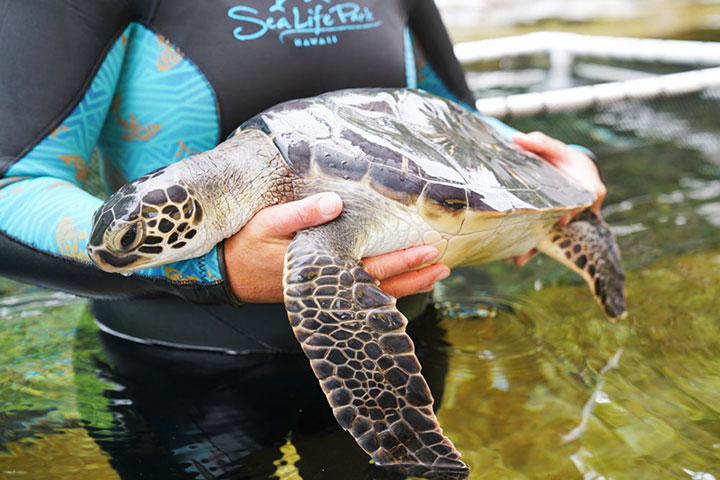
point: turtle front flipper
(587, 246)
(355, 339)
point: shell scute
(376, 153)
(448, 196)
(444, 206)
(339, 162)
(396, 184)
(478, 202)
(299, 157)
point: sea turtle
(412, 168)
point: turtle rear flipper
(355, 339)
(588, 246)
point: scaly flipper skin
(587, 246)
(355, 339)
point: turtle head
(151, 221)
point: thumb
(286, 219)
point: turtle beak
(108, 262)
(92, 253)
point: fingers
(286, 219)
(601, 193)
(395, 263)
(417, 281)
(521, 260)
(563, 222)
(567, 218)
(396, 272)
(571, 162)
(540, 144)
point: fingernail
(443, 275)
(538, 137)
(328, 204)
(430, 256)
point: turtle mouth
(112, 263)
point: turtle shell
(408, 144)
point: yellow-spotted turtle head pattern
(146, 223)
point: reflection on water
(518, 383)
(67, 413)
(532, 381)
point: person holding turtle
(147, 83)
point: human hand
(254, 256)
(570, 161)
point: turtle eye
(130, 237)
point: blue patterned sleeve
(46, 212)
(162, 110)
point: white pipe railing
(620, 48)
(580, 98)
(569, 45)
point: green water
(534, 382)
(528, 396)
